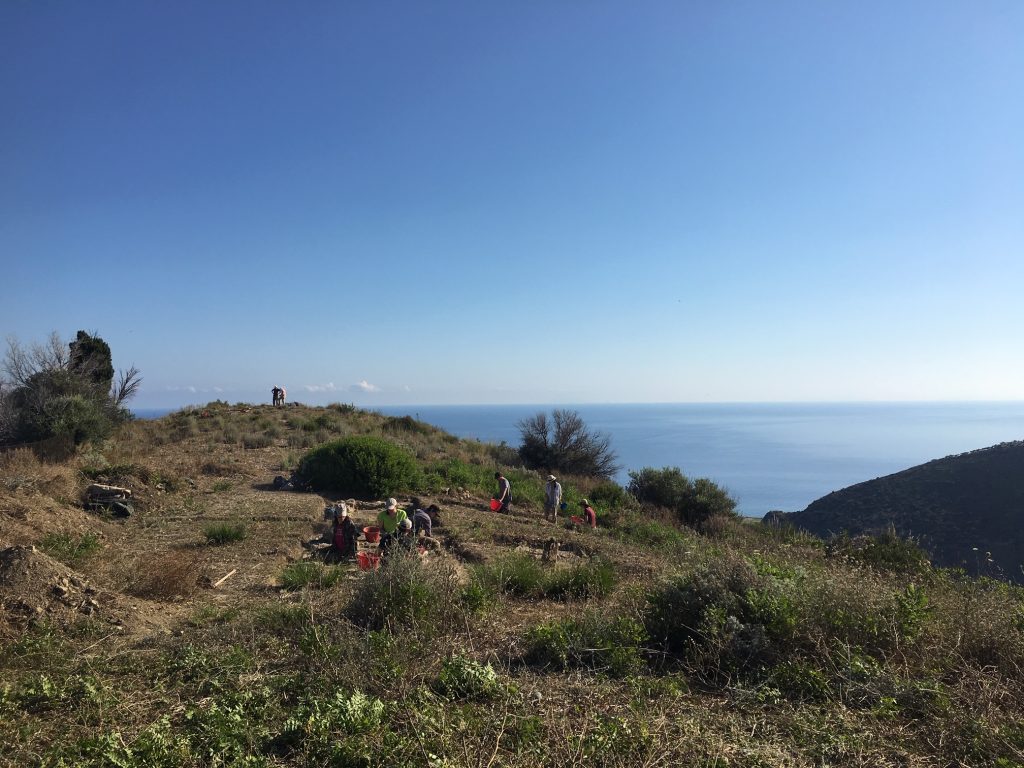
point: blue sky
(568, 202)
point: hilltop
(644, 642)
(966, 510)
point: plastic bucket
(368, 562)
(372, 533)
(495, 505)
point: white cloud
(192, 389)
(329, 387)
(364, 386)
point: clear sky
(521, 202)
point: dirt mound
(35, 587)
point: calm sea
(769, 456)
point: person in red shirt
(589, 514)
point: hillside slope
(959, 507)
(143, 642)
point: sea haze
(769, 456)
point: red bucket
(495, 505)
(577, 519)
(368, 562)
(372, 533)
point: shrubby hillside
(966, 510)
(208, 629)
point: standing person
(276, 394)
(389, 519)
(504, 493)
(589, 514)
(552, 498)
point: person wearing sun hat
(552, 498)
(589, 514)
(388, 520)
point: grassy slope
(798, 657)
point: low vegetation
(209, 629)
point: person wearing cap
(345, 534)
(552, 498)
(589, 514)
(388, 520)
(504, 493)
(406, 538)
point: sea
(769, 456)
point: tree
(563, 443)
(692, 501)
(58, 390)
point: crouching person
(389, 521)
(343, 543)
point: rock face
(960, 508)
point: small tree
(62, 390)
(565, 444)
(692, 501)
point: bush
(406, 592)
(611, 645)
(360, 466)
(565, 444)
(463, 678)
(609, 496)
(692, 501)
(723, 620)
(166, 577)
(886, 551)
(307, 573)
(321, 729)
(523, 575)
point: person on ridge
(589, 514)
(504, 493)
(388, 520)
(275, 393)
(552, 498)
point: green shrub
(463, 678)
(257, 440)
(406, 592)
(591, 579)
(722, 620)
(609, 496)
(219, 534)
(886, 551)
(608, 644)
(322, 729)
(515, 574)
(406, 424)
(692, 501)
(362, 466)
(307, 573)
(69, 549)
(523, 575)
